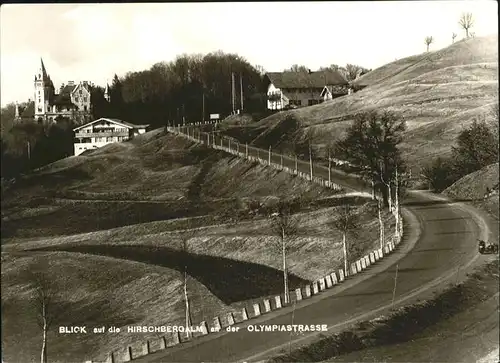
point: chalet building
(104, 131)
(296, 89)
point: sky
(94, 41)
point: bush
(441, 174)
(477, 147)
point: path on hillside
(445, 234)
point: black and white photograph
(250, 182)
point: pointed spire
(42, 72)
(106, 92)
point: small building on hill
(296, 89)
(104, 131)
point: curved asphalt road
(440, 239)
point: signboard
(214, 116)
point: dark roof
(67, 89)
(64, 96)
(305, 79)
(129, 124)
(112, 120)
(29, 111)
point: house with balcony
(104, 131)
(297, 89)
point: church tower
(44, 91)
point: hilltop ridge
(438, 94)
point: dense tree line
(187, 89)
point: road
(439, 243)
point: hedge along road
(438, 245)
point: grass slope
(474, 187)
(106, 227)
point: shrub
(440, 174)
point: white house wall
(123, 133)
(274, 105)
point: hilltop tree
(453, 36)
(372, 144)
(466, 22)
(297, 68)
(352, 72)
(284, 226)
(428, 41)
(347, 222)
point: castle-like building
(72, 101)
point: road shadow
(429, 203)
(447, 219)
(453, 232)
(433, 250)
(230, 280)
(373, 293)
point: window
(80, 92)
(312, 102)
(85, 99)
(295, 102)
(109, 139)
(85, 108)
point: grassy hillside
(474, 186)
(161, 177)
(107, 227)
(437, 93)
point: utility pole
(241, 92)
(311, 161)
(269, 155)
(232, 89)
(396, 204)
(203, 117)
(329, 168)
(395, 284)
(29, 151)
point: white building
(299, 89)
(104, 131)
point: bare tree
(330, 150)
(453, 36)
(428, 41)
(387, 182)
(44, 295)
(466, 22)
(284, 226)
(185, 236)
(297, 68)
(380, 223)
(347, 222)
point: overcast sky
(94, 41)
